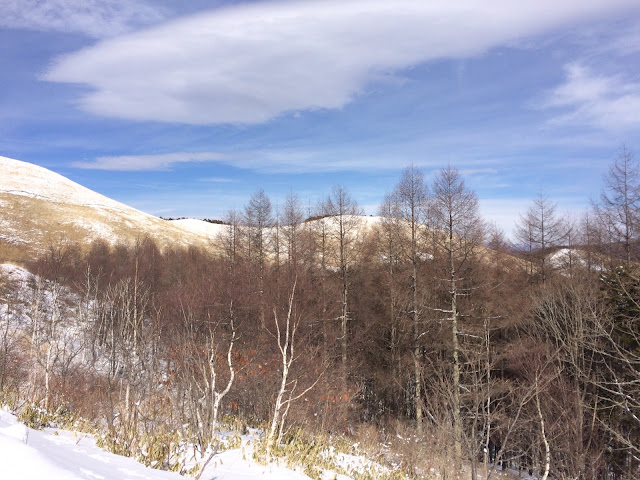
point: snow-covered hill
(39, 208)
(26, 179)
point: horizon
(186, 110)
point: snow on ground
(234, 465)
(60, 455)
(54, 454)
(98, 229)
(14, 273)
(26, 179)
(200, 227)
(14, 278)
(371, 220)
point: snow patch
(14, 273)
(200, 227)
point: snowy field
(53, 454)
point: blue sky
(185, 110)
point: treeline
(423, 324)
(208, 220)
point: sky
(184, 109)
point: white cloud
(607, 102)
(217, 180)
(253, 62)
(468, 172)
(164, 161)
(95, 18)
(271, 161)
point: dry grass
(29, 225)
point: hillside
(39, 207)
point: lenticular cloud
(94, 18)
(251, 63)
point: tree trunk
(547, 452)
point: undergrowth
(320, 456)
(36, 417)
(165, 448)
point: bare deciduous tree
(287, 342)
(620, 200)
(292, 217)
(231, 236)
(405, 212)
(344, 216)
(455, 211)
(259, 218)
(538, 231)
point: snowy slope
(200, 227)
(52, 454)
(39, 208)
(22, 178)
(32, 454)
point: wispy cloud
(217, 180)
(253, 62)
(164, 161)
(272, 161)
(467, 172)
(608, 102)
(94, 18)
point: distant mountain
(39, 208)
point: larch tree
(259, 218)
(230, 237)
(345, 218)
(409, 206)
(292, 218)
(460, 233)
(538, 231)
(389, 244)
(620, 200)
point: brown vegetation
(424, 335)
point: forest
(422, 328)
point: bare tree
(390, 238)
(539, 230)
(589, 237)
(406, 210)
(455, 211)
(9, 323)
(620, 200)
(292, 218)
(566, 316)
(49, 313)
(344, 216)
(219, 394)
(259, 218)
(231, 237)
(287, 342)
(617, 342)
